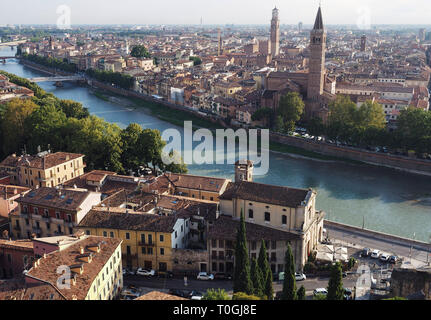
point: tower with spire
(275, 33)
(316, 76)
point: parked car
(320, 291)
(365, 252)
(222, 276)
(128, 272)
(300, 276)
(196, 295)
(393, 259)
(144, 272)
(165, 274)
(375, 254)
(205, 276)
(384, 257)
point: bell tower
(316, 74)
(243, 170)
(275, 33)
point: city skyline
(337, 12)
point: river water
(383, 199)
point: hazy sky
(216, 11)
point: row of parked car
(151, 273)
(376, 254)
(192, 295)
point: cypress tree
(242, 281)
(266, 271)
(335, 285)
(256, 278)
(289, 284)
(301, 293)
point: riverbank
(293, 146)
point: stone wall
(375, 158)
(185, 261)
(410, 282)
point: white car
(384, 257)
(375, 254)
(320, 291)
(300, 276)
(205, 276)
(144, 272)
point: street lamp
(429, 248)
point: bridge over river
(57, 79)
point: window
(253, 245)
(105, 234)
(150, 251)
(57, 215)
(162, 251)
(36, 210)
(284, 219)
(87, 232)
(111, 234)
(250, 213)
(273, 245)
(176, 235)
(267, 217)
(150, 239)
(142, 238)
(162, 238)
(143, 250)
(69, 218)
(214, 243)
(127, 236)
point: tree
(216, 294)
(256, 278)
(242, 281)
(13, 126)
(289, 284)
(133, 156)
(291, 108)
(266, 271)
(301, 293)
(279, 124)
(335, 285)
(263, 114)
(74, 109)
(196, 60)
(244, 296)
(140, 52)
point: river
(386, 200)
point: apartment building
(46, 212)
(92, 269)
(44, 169)
(15, 257)
(147, 239)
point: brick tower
(316, 74)
(275, 33)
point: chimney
(44, 256)
(81, 250)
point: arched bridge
(57, 79)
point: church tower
(316, 76)
(275, 33)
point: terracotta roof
(26, 245)
(46, 270)
(196, 182)
(157, 295)
(128, 221)
(226, 227)
(45, 162)
(53, 198)
(17, 289)
(265, 193)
